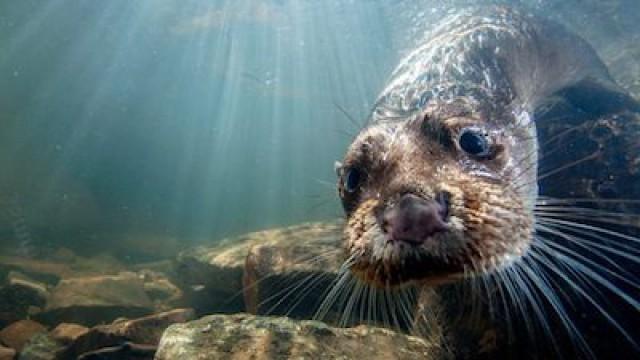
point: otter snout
(413, 219)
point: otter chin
(436, 197)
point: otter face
(434, 198)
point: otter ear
(337, 167)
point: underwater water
(137, 134)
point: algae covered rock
(244, 336)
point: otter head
(437, 196)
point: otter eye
(352, 179)
(474, 142)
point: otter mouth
(422, 268)
(414, 219)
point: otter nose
(413, 219)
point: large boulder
(213, 277)
(97, 299)
(243, 336)
(289, 274)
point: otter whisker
(288, 291)
(573, 257)
(328, 254)
(374, 306)
(305, 291)
(541, 156)
(564, 167)
(404, 301)
(584, 294)
(521, 302)
(389, 308)
(328, 184)
(595, 214)
(347, 300)
(608, 244)
(585, 243)
(544, 200)
(596, 229)
(621, 219)
(610, 261)
(349, 117)
(500, 282)
(539, 279)
(596, 277)
(383, 303)
(527, 288)
(362, 302)
(336, 289)
(348, 135)
(294, 287)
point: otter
(497, 154)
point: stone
(164, 294)
(149, 329)
(244, 336)
(142, 331)
(7, 353)
(290, 271)
(97, 299)
(38, 289)
(48, 271)
(19, 296)
(41, 347)
(18, 334)
(212, 276)
(67, 333)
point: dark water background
(181, 121)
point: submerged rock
(138, 332)
(244, 336)
(67, 333)
(164, 294)
(288, 274)
(43, 270)
(18, 334)
(212, 276)
(41, 347)
(18, 299)
(36, 290)
(97, 299)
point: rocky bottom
(64, 306)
